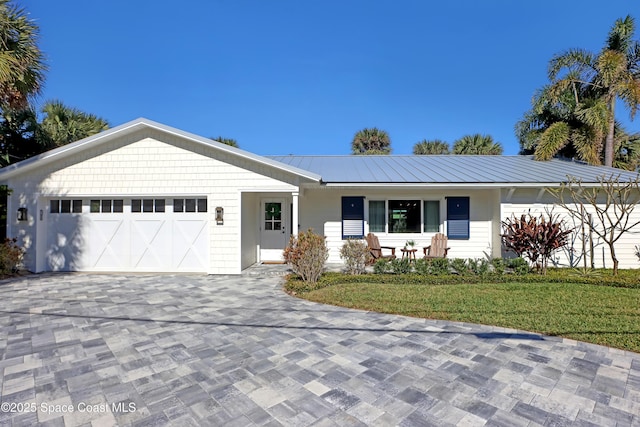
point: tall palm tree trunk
(608, 142)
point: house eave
(446, 185)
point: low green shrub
(498, 265)
(355, 254)
(480, 267)
(10, 256)
(519, 266)
(422, 267)
(459, 265)
(382, 266)
(401, 265)
(439, 266)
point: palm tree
(371, 141)
(435, 146)
(62, 124)
(562, 123)
(227, 141)
(477, 144)
(612, 74)
(22, 64)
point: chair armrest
(426, 248)
(391, 248)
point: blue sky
(302, 77)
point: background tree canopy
(574, 115)
(477, 144)
(371, 141)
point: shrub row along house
(147, 197)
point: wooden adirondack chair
(376, 250)
(438, 247)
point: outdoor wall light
(219, 215)
(22, 214)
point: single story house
(145, 197)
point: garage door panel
(65, 243)
(190, 245)
(96, 236)
(109, 247)
(150, 244)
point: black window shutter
(458, 218)
(353, 217)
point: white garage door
(138, 234)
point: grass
(606, 315)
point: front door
(273, 230)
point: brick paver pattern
(180, 350)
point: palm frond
(552, 140)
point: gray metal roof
(447, 169)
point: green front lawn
(605, 315)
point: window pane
(190, 205)
(202, 205)
(54, 206)
(376, 216)
(118, 206)
(431, 215)
(178, 205)
(404, 216)
(136, 205)
(77, 206)
(159, 205)
(147, 205)
(273, 211)
(65, 206)
(106, 206)
(94, 206)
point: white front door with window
(274, 233)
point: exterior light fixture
(219, 215)
(22, 214)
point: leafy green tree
(612, 74)
(227, 141)
(22, 64)
(371, 141)
(18, 139)
(435, 146)
(62, 124)
(477, 144)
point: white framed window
(404, 216)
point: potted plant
(409, 244)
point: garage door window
(147, 205)
(189, 205)
(65, 206)
(106, 206)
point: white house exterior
(146, 197)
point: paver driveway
(182, 350)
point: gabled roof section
(448, 170)
(134, 126)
